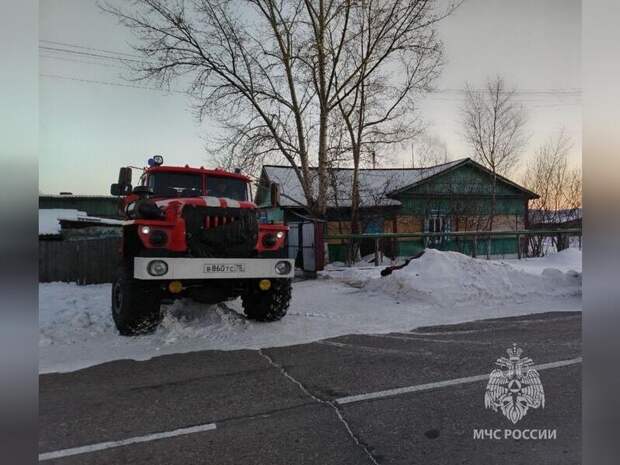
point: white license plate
(224, 268)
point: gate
(306, 245)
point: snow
(97, 220)
(452, 280)
(48, 219)
(76, 328)
(565, 261)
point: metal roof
(378, 187)
(375, 184)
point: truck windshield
(229, 188)
(171, 184)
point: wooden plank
(81, 261)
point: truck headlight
(283, 267)
(157, 268)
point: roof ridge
(458, 160)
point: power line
(89, 48)
(109, 83)
(97, 55)
(551, 91)
(526, 101)
(156, 89)
(114, 55)
(109, 65)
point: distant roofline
(454, 164)
(375, 169)
(458, 163)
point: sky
(92, 120)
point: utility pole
(412, 157)
(374, 160)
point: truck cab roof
(202, 171)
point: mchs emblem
(515, 387)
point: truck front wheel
(269, 305)
(135, 304)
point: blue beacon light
(156, 160)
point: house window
(437, 222)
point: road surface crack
(337, 410)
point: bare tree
(242, 62)
(378, 111)
(494, 125)
(550, 175)
(573, 192)
(429, 150)
(271, 71)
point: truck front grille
(218, 220)
(220, 232)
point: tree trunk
(322, 156)
(355, 194)
(323, 109)
(492, 216)
(355, 200)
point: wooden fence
(476, 237)
(89, 261)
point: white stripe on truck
(212, 201)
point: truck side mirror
(123, 186)
(120, 189)
(124, 176)
(275, 194)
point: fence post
(348, 251)
(475, 249)
(376, 251)
(519, 246)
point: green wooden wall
(463, 191)
(407, 248)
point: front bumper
(213, 268)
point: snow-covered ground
(76, 328)
(567, 260)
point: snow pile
(451, 279)
(566, 261)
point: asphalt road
(293, 405)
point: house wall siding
(462, 195)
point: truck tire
(269, 305)
(135, 304)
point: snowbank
(76, 328)
(566, 260)
(451, 279)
